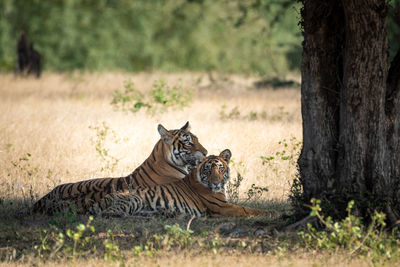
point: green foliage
(154, 35)
(178, 237)
(103, 133)
(160, 98)
(76, 243)
(130, 99)
(71, 243)
(65, 217)
(244, 36)
(166, 96)
(174, 238)
(288, 154)
(112, 251)
(352, 236)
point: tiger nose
(214, 176)
(215, 169)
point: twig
(189, 222)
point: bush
(351, 236)
(160, 98)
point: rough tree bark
(350, 106)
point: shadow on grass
(276, 83)
(21, 232)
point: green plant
(351, 235)
(130, 99)
(160, 98)
(79, 237)
(111, 249)
(103, 133)
(64, 217)
(288, 154)
(178, 237)
(148, 250)
(72, 243)
(214, 244)
(174, 238)
(166, 97)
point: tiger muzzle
(215, 176)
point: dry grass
(224, 259)
(50, 118)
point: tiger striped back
(173, 157)
(200, 193)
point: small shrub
(71, 243)
(352, 236)
(75, 243)
(167, 97)
(103, 133)
(160, 98)
(178, 237)
(288, 154)
(130, 99)
(111, 248)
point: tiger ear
(186, 127)
(165, 134)
(226, 155)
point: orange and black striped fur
(173, 157)
(202, 192)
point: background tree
(167, 35)
(350, 107)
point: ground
(62, 128)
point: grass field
(49, 129)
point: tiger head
(213, 172)
(185, 150)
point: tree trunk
(350, 106)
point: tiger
(200, 193)
(173, 157)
